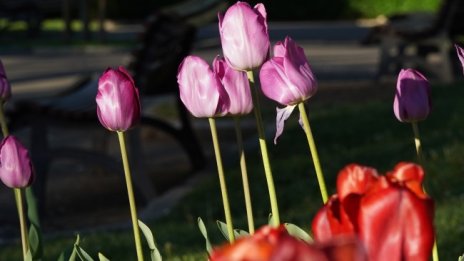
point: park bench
(414, 40)
(166, 40)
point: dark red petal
(409, 174)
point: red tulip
(15, 164)
(118, 105)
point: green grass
(345, 132)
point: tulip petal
(355, 179)
(460, 53)
(15, 164)
(282, 115)
(5, 87)
(409, 174)
(395, 224)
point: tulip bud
(236, 85)
(118, 105)
(244, 36)
(287, 78)
(15, 164)
(200, 89)
(5, 88)
(412, 99)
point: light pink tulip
(5, 88)
(15, 164)
(118, 105)
(460, 53)
(200, 89)
(412, 99)
(287, 78)
(236, 85)
(244, 36)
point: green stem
(264, 153)
(313, 149)
(420, 158)
(417, 142)
(243, 168)
(22, 221)
(222, 180)
(130, 193)
(17, 192)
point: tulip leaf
(298, 232)
(101, 257)
(203, 231)
(84, 256)
(33, 216)
(35, 242)
(240, 233)
(154, 252)
(461, 258)
(223, 228)
(74, 251)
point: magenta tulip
(15, 164)
(412, 99)
(118, 105)
(287, 78)
(200, 89)
(5, 88)
(244, 36)
(236, 85)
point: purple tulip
(412, 99)
(200, 89)
(5, 88)
(118, 105)
(15, 164)
(244, 36)
(460, 53)
(287, 79)
(236, 85)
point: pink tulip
(287, 78)
(5, 88)
(412, 99)
(15, 164)
(236, 85)
(118, 105)
(244, 36)
(200, 89)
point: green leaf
(461, 258)
(101, 257)
(154, 252)
(223, 228)
(74, 251)
(298, 232)
(203, 231)
(35, 242)
(240, 233)
(84, 256)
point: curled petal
(410, 175)
(355, 179)
(282, 115)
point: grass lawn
(349, 126)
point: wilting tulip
(200, 89)
(412, 99)
(15, 165)
(269, 244)
(5, 88)
(287, 79)
(460, 53)
(236, 85)
(244, 36)
(118, 105)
